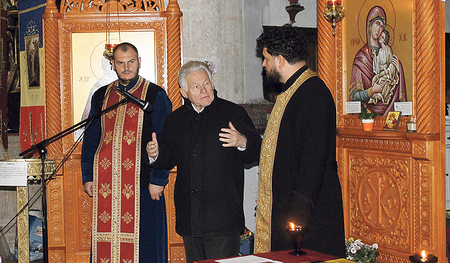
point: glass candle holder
(417, 258)
(297, 232)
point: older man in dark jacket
(209, 140)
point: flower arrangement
(359, 252)
(246, 243)
(367, 114)
(246, 235)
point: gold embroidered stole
(117, 165)
(268, 148)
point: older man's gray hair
(190, 67)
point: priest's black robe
(305, 184)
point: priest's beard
(273, 76)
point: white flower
(211, 67)
(357, 251)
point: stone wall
(212, 31)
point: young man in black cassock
(298, 170)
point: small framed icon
(392, 120)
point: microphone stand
(41, 147)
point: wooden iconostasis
(393, 181)
(74, 37)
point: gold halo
(391, 34)
(391, 18)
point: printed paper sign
(13, 173)
(404, 107)
(353, 107)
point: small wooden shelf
(386, 135)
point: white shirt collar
(195, 108)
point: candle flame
(424, 255)
(292, 225)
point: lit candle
(424, 256)
(292, 226)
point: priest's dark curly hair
(285, 41)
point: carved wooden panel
(56, 255)
(55, 213)
(77, 207)
(177, 254)
(393, 182)
(69, 240)
(102, 6)
(379, 192)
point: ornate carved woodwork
(91, 6)
(69, 240)
(393, 182)
(23, 237)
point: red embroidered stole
(115, 229)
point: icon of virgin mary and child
(377, 78)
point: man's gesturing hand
(232, 138)
(152, 147)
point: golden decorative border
(23, 237)
(31, 9)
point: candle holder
(420, 259)
(334, 13)
(109, 46)
(411, 125)
(108, 52)
(293, 9)
(297, 233)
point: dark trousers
(200, 248)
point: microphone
(144, 105)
